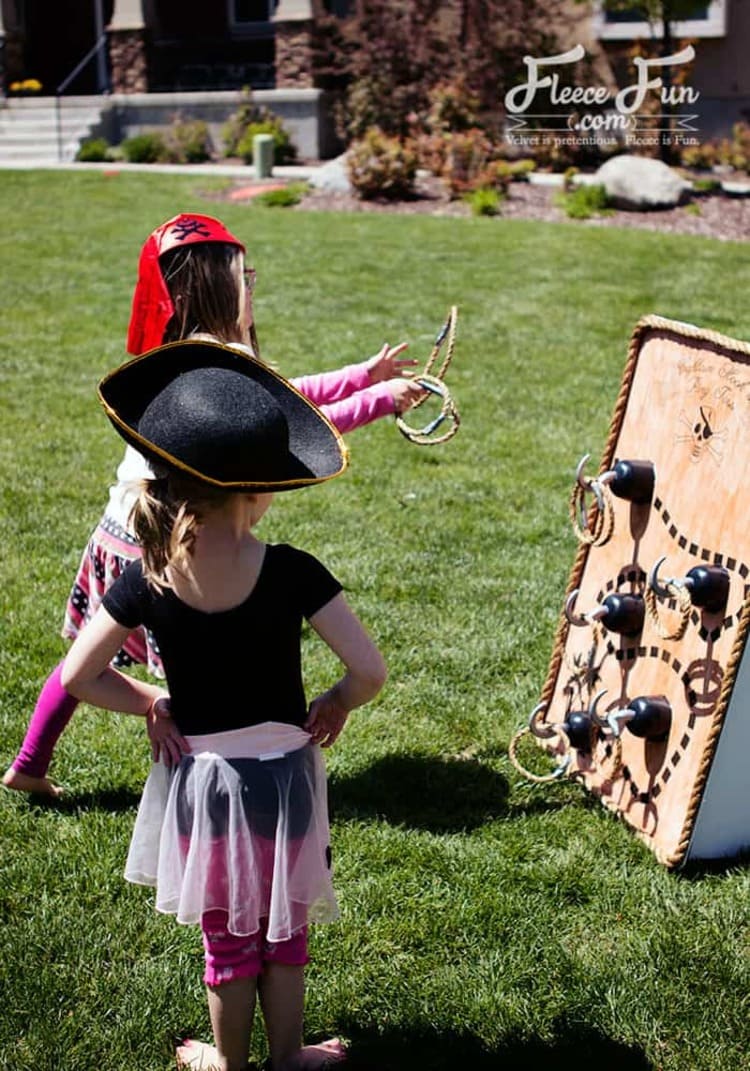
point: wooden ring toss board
(684, 404)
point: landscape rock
(638, 183)
(333, 176)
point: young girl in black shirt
(232, 829)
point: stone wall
(294, 55)
(127, 57)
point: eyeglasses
(249, 274)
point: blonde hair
(165, 519)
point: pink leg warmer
(54, 709)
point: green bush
(584, 202)
(248, 120)
(706, 185)
(283, 150)
(484, 201)
(148, 148)
(189, 141)
(381, 166)
(284, 198)
(93, 151)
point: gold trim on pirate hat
(221, 417)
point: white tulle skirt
(240, 825)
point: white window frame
(714, 25)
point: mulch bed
(709, 216)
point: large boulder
(638, 183)
(333, 176)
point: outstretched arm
(365, 669)
(326, 388)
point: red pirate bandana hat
(152, 305)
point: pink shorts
(229, 957)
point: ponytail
(165, 520)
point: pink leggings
(229, 957)
(54, 709)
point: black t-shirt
(236, 667)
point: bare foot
(317, 1057)
(197, 1056)
(21, 782)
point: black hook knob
(633, 480)
(651, 717)
(577, 728)
(623, 614)
(708, 586)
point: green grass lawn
(486, 922)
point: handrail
(97, 47)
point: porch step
(32, 130)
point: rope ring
(447, 331)
(425, 436)
(540, 779)
(604, 522)
(684, 606)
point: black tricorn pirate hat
(221, 417)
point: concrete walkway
(289, 172)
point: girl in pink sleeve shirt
(192, 283)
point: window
(245, 13)
(708, 20)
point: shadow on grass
(397, 1050)
(696, 870)
(423, 792)
(112, 800)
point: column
(295, 30)
(126, 35)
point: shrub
(706, 185)
(467, 157)
(248, 120)
(189, 141)
(283, 150)
(521, 169)
(584, 202)
(93, 151)
(453, 107)
(284, 198)
(381, 166)
(393, 59)
(700, 157)
(484, 201)
(148, 148)
(569, 179)
(431, 150)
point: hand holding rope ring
(432, 383)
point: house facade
(157, 46)
(169, 46)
